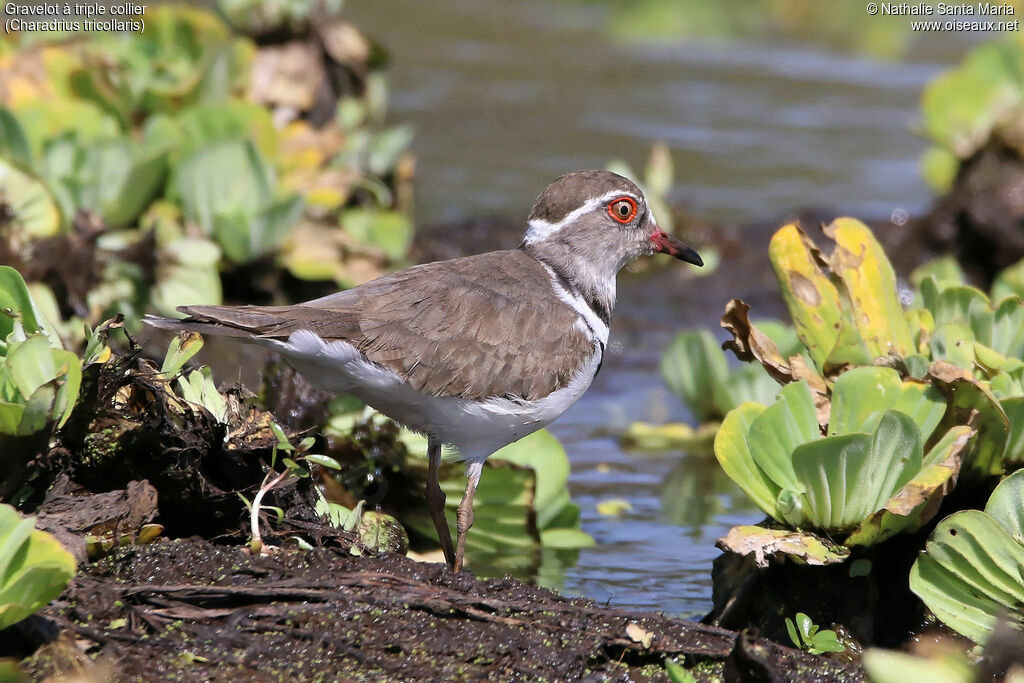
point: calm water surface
(761, 121)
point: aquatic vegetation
(190, 147)
(944, 666)
(964, 108)
(842, 450)
(868, 478)
(847, 313)
(34, 567)
(696, 369)
(39, 380)
(970, 572)
(808, 636)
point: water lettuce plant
(963, 108)
(696, 369)
(227, 189)
(855, 468)
(39, 380)
(34, 567)
(970, 572)
(179, 146)
(847, 313)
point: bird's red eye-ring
(623, 209)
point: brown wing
(474, 327)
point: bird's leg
(465, 512)
(435, 500)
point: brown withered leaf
(764, 544)
(750, 344)
(287, 75)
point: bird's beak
(665, 243)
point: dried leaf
(750, 344)
(638, 634)
(803, 547)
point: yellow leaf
(614, 507)
(813, 301)
(871, 284)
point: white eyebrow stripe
(541, 229)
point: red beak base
(665, 243)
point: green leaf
(32, 208)
(848, 477)
(323, 461)
(955, 304)
(969, 573)
(199, 388)
(32, 364)
(1006, 505)
(228, 190)
(776, 433)
(565, 538)
(1009, 282)
(112, 177)
(34, 567)
(295, 468)
(389, 231)
(386, 147)
(1013, 451)
(828, 470)
(678, 674)
(890, 666)
(953, 342)
(694, 368)
(1008, 328)
(794, 635)
(182, 348)
(825, 641)
(806, 627)
(15, 301)
(70, 368)
(13, 142)
(971, 400)
(733, 453)
(946, 270)
(541, 452)
(961, 107)
(204, 124)
(859, 398)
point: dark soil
(191, 610)
(980, 220)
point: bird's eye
(623, 210)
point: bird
(474, 352)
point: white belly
(475, 428)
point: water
(763, 116)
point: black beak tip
(691, 256)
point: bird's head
(598, 218)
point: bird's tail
(244, 322)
